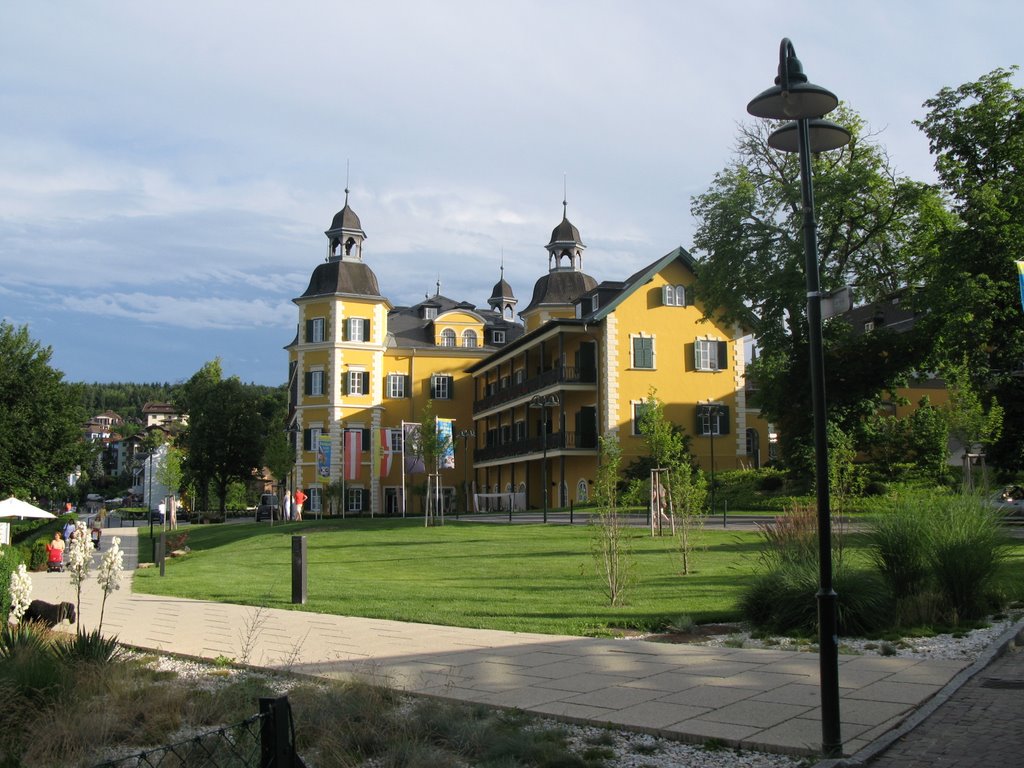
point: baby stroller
(54, 560)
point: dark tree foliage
(226, 431)
(125, 399)
(873, 226)
(976, 132)
(41, 420)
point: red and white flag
(386, 456)
(353, 453)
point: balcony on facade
(534, 447)
(559, 374)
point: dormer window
(469, 338)
(447, 338)
(429, 313)
(497, 337)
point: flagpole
(403, 468)
(344, 469)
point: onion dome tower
(555, 293)
(502, 300)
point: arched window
(563, 494)
(469, 338)
(447, 338)
(582, 492)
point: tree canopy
(41, 421)
(873, 226)
(225, 437)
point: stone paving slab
(764, 699)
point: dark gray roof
(560, 287)
(345, 219)
(565, 232)
(409, 328)
(502, 290)
(892, 314)
(347, 277)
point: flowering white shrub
(111, 567)
(109, 576)
(21, 593)
(79, 554)
(79, 559)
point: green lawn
(523, 577)
(529, 578)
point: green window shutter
(309, 331)
(451, 387)
(723, 419)
(307, 439)
(723, 356)
(308, 378)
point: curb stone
(1012, 636)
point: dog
(49, 614)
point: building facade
(527, 401)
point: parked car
(269, 508)
(1010, 500)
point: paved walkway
(763, 699)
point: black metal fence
(265, 740)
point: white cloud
(194, 313)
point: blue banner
(446, 443)
(1020, 274)
(323, 456)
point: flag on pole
(353, 453)
(1020, 274)
(446, 442)
(323, 456)
(411, 448)
(386, 456)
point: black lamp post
(794, 98)
(466, 435)
(544, 402)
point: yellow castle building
(526, 401)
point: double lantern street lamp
(544, 402)
(793, 98)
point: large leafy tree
(872, 227)
(225, 437)
(41, 421)
(976, 132)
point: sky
(167, 170)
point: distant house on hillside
(162, 414)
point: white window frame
(429, 313)
(582, 492)
(469, 338)
(497, 337)
(357, 375)
(706, 355)
(435, 386)
(354, 500)
(396, 386)
(317, 330)
(316, 499)
(633, 337)
(448, 338)
(634, 404)
(314, 438)
(316, 383)
(357, 329)
(395, 440)
(673, 295)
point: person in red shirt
(300, 499)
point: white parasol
(13, 507)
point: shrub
(900, 545)
(771, 482)
(791, 538)
(783, 600)
(968, 550)
(86, 648)
(875, 488)
(9, 562)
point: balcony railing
(555, 441)
(560, 374)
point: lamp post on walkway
(544, 402)
(794, 98)
(466, 435)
